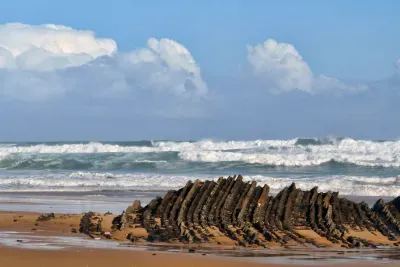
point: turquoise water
(360, 167)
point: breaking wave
(94, 181)
(292, 153)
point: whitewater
(353, 167)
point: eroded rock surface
(231, 211)
(90, 223)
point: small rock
(129, 236)
(106, 234)
(135, 207)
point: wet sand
(73, 202)
(77, 257)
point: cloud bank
(62, 83)
(41, 62)
(281, 68)
(49, 47)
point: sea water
(353, 167)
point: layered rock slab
(231, 211)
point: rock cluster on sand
(232, 211)
(45, 217)
(90, 223)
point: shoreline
(100, 201)
(15, 257)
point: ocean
(353, 167)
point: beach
(26, 241)
(23, 242)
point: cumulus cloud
(282, 69)
(40, 62)
(48, 47)
(165, 65)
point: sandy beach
(24, 241)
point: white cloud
(30, 86)
(39, 62)
(281, 65)
(281, 68)
(165, 65)
(49, 47)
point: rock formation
(231, 211)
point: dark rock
(210, 202)
(135, 207)
(244, 213)
(244, 205)
(45, 217)
(90, 223)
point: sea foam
(95, 181)
(293, 152)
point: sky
(189, 70)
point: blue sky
(355, 42)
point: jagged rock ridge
(248, 216)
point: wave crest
(293, 152)
(95, 181)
